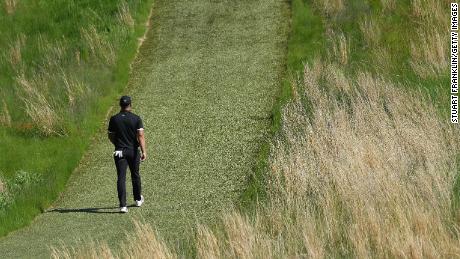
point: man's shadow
(107, 210)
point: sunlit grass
(61, 64)
(363, 164)
(204, 83)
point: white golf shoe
(139, 203)
(124, 209)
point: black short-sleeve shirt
(125, 126)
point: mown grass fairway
(204, 83)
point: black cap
(125, 101)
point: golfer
(126, 132)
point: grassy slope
(54, 158)
(395, 29)
(308, 40)
(204, 85)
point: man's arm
(111, 131)
(141, 140)
(111, 136)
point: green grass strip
(306, 42)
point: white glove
(118, 153)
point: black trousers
(131, 158)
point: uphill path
(204, 83)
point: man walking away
(126, 132)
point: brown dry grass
(2, 186)
(371, 31)
(74, 88)
(124, 15)
(340, 47)
(383, 59)
(330, 7)
(15, 56)
(143, 243)
(99, 46)
(429, 45)
(432, 12)
(53, 55)
(389, 5)
(5, 118)
(429, 50)
(40, 110)
(207, 244)
(100, 250)
(34, 89)
(10, 6)
(371, 173)
(429, 53)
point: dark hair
(125, 101)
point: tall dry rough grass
(99, 46)
(124, 15)
(74, 88)
(429, 54)
(5, 118)
(361, 169)
(389, 5)
(38, 107)
(367, 170)
(429, 50)
(383, 59)
(431, 10)
(2, 186)
(100, 250)
(35, 88)
(143, 243)
(15, 56)
(371, 31)
(330, 7)
(340, 47)
(34, 84)
(10, 6)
